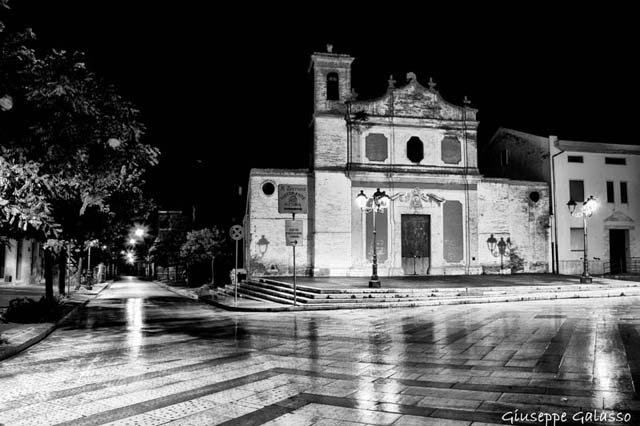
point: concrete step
(281, 292)
(396, 303)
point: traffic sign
(236, 232)
(293, 232)
(292, 199)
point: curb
(171, 289)
(14, 350)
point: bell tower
(331, 80)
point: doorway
(618, 244)
(416, 247)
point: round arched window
(534, 196)
(268, 188)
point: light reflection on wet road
(140, 354)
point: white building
(421, 150)
(20, 262)
(576, 170)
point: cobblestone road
(139, 355)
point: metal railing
(628, 265)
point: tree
(71, 145)
(202, 246)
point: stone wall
(332, 223)
(265, 246)
(330, 142)
(506, 210)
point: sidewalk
(15, 338)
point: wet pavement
(140, 354)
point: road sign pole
(235, 275)
(295, 242)
(237, 233)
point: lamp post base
(585, 280)
(374, 283)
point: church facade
(443, 216)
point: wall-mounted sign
(293, 232)
(292, 199)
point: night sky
(223, 90)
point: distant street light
(139, 232)
(588, 207)
(132, 241)
(376, 204)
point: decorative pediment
(617, 216)
(415, 197)
(414, 100)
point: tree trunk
(212, 280)
(48, 274)
(62, 275)
(79, 271)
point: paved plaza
(140, 354)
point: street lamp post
(588, 207)
(376, 204)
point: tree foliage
(72, 157)
(72, 160)
(202, 245)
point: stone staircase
(307, 297)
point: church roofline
(413, 82)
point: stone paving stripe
(165, 401)
(631, 341)
(550, 360)
(132, 379)
(325, 375)
(109, 352)
(258, 417)
(469, 416)
(527, 389)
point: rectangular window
(576, 191)
(610, 196)
(504, 158)
(615, 160)
(577, 239)
(575, 159)
(623, 192)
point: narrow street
(142, 355)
